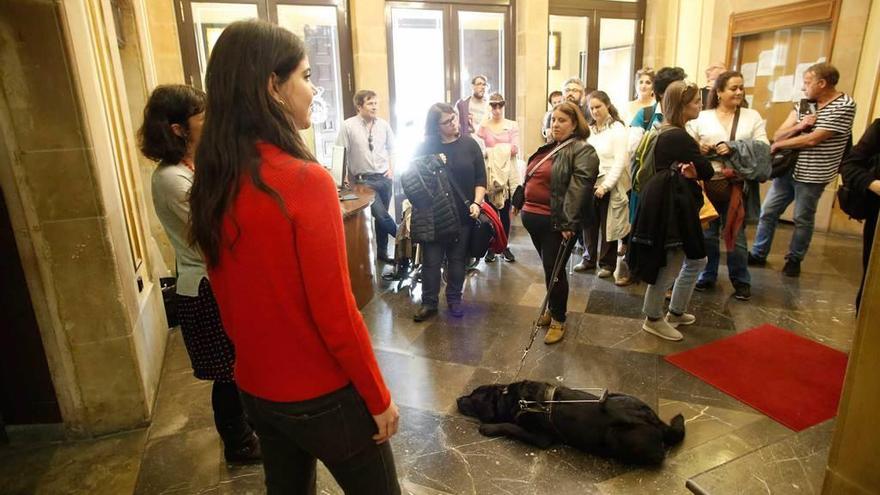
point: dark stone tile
(795, 464)
(186, 463)
(183, 404)
(622, 304)
(104, 465)
(421, 382)
(627, 334)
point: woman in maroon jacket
(268, 221)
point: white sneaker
(661, 329)
(684, 319)
(604, 273)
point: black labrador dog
(621, 426)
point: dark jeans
(737, 260)
(504, 214)
(597, 249)
(455, 252)
(385, 224)
(548, 242)
(335, 428)
(867, 244)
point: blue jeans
(385, 224)
(783, 191)
(684, 272)
(737, 260)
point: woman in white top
(645, 90)
(713, 129)
(608, 221)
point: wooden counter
(358, 224)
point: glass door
(567, 49)
(435, 50)
(418, 56)
(208, 21)
(617, 55)
(317, 26)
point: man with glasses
(574, 90)
(473, 109)
(369, 141)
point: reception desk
(358, 225)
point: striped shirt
(819, 164)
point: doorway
(27, 395)
(599, 42)
(435, 50)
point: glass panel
(316, 25)
(481, 45)
(568, 49)
(209, 20)
(419, 74)
(617, 48)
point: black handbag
(482, 229)
(719, 190)
(518, 198)
(783, 162)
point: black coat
(862, 165)
(434, 215)
(574, 172)
(668, 213)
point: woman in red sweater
(268, 221)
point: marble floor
(729, 447)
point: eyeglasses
(448, 121)
(573, 89)
(496, 104)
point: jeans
(683, 272)
(384, 223)
(336, 429)
(455, 252)
(548, 242)
(783, 191)
(737, 260)
(597, 249)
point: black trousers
(548, 242)
(455, 253)
(229, 418)
(336, 429)
(867, 244)
(598, 250)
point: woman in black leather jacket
(559, 178)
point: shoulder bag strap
(733, 127)
(546, 157)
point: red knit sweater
(284, 292)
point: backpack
(642, 167)
(858, 204)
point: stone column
(370, 50)
(532, 18)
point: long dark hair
(168, 104)
(241, 112)
(720, 84)
(432, 121)
(603, 97)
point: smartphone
(807, 107)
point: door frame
(595, 11)
(452, 72)
(267, 11)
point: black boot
(240, 443)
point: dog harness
(545, 406)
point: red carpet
(794, 380)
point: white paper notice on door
(782, 89)
(749, 71)
(765, 63)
